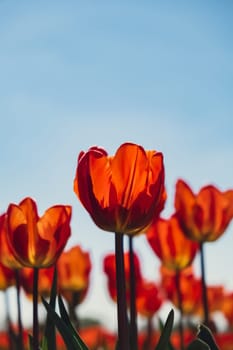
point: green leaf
(204, 333)
(49, 337)
(66, 333)
(164, 340)
(198, 344)
(66, 319)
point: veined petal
(184, 199)
(87, 179)
(169, 243)
(54, 227)
(129, 173)
(121, 193)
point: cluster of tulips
(124, 194)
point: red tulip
(169, 243)
(109, 266)
(73, 268)
(37, 241)
(203, 216)
(122, 193)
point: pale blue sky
(81, 73)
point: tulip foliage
(125, 195)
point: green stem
(204, 287)
(35, 310)
(72, 309)
(123, 328)
(133, 310)
(180, 306)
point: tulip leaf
(49, 337)
(66, 333)
(164, 340)
(198, 344)
(205, 334)
(66, 319)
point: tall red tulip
(122, 193)
(109, 267)
(190, 288)
(169, 243)
(175, 251)
(73, 268)
(204, 216)
(37, 241)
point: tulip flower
(45, 280)
(122, 193)
(190, 289)
(149, 298)
(73, 268)
(8, 259)
(37, 241)
(167, 240)
(227, 307)
(204, 216)
(7, 277)
(175, 251)
(109, 267)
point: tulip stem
(204, 288)
(20, 326)
(123, 327)
(133, 311)
(35, 310)
(180, 306)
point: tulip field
(124, 194)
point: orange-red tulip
(227, 308)
(37, 241)
(73, 268)
(124, 192)
(109, 267)
(169, 243)
(148, 299)
(190, 289)
(45, 280)
(7, 277)
(204, 216)
(7, 257)
(215, 296)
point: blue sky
(81, 73)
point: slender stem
(123, 328)
(72, 306)
(180, 306)
(35, 310)
(133, 311)
(20, 325)
(204, 288)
